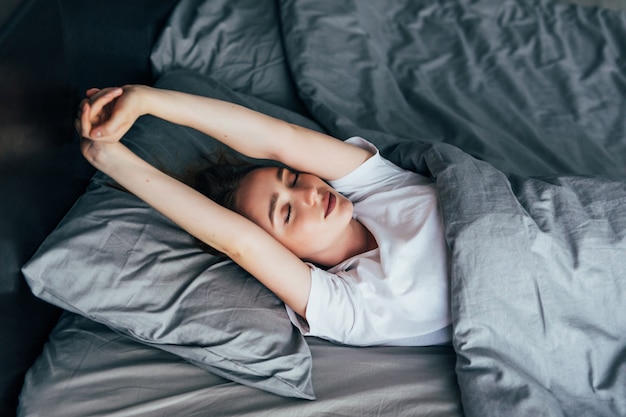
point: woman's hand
(105, 115)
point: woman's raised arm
(247, 131)
(242, 240)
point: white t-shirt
(397, 294)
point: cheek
(305, 226)
(304, 232)
(346, 210)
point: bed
(516, 109)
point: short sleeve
(331, 309)
(374, 175)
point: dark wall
(7, 9)
(50, 53)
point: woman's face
(301, 211)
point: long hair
(219, 180)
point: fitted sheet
(88, 370)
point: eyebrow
(274, 198)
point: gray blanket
(535, 87)
(538, 289)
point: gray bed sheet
(88, 370)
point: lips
(330, 204)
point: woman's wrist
(101, 155)
(143, 95)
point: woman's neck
(357, 239)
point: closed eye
(293, 185)
(288, 216)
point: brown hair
(219, 180)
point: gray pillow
(117, 261)
(236, 42)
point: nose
(307, 195)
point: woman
(372, 272)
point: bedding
(112, 375)
(236, 42)
(502, 80)
(538, 289)
(515, 107)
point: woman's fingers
(101, 110)
(82, 124)
(85, 120)
(95, 113)
(102, 98)
(91, 92)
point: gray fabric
(87, 370)
(535, 87)
(236, 42)
(119, 262)
(538, 289)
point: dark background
(51, 51)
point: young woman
(365, 266)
